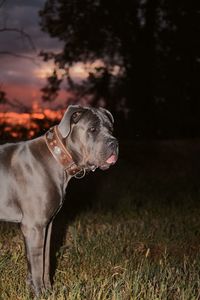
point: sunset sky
(23, 78)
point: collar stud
(61, 154)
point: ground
(132, 232)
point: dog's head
(88, 136)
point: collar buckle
(80, 174)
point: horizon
(23, 71)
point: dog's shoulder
(12, 153)
(7, 151)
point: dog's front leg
(34, 237)
(47, 257)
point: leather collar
(61, 154)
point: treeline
(150, 51)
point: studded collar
(61, 154)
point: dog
(34, 175)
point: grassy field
(132, 232)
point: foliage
(154, 44)
(50, 91)
(3, 97)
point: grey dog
(34, 176)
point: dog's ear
(108, 114)
(72, 115)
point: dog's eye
(92, 129)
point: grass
(136, 235)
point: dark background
(151, 55)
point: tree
(155, 46)
(50, 91)
(3, 98)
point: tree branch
(22, 33)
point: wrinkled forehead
(95, 117)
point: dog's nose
(113, 143)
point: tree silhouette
(50, 91)
(3, 97)
(153, 44)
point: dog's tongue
(112, 159)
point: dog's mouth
(111, 160)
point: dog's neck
(61, 154)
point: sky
(22, 78)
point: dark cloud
(17, 71)
(24, 15)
